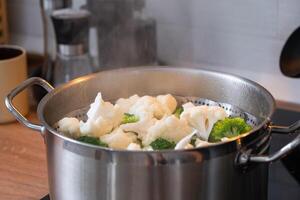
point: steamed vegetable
(92, 140)
(152, 123)
(193, 140)
(178, 111)
(160, 144)
(229, 127)
(129, 118)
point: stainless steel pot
(230, 170)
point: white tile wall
(25, 24)
(25, 11)
(240, 37)
(289, 17)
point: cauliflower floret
(202, 118)
(201, 143)
(105, 110)
(168, 103)
(97, 127)
(148, 148)
(147, 107)
(125, 104)
(226, 139)
(188, 105)
(134, 147)
(188, 146)
(118, 139)
(102, 118)
(170, 128)
(141, 127)
(185, 141)
(69, 125)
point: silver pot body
(81, 171)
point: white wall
(240, 37)
(25, 24)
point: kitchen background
(239, 37)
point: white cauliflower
(69, 125)
(148, 148)
(97, 127)
(125, 104)
(118, 139)
(170, 128)
(141, 127)
(155, 120)
(188, 105)
(168, 103)
(102, 118)
(147, 107)
(201, 143)
(134, 147)
(202, 118)
(226, 139)
(188, 146)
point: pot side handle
(245, 157)
(12, 109)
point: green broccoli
(193, 140)
(160, 144)
(129, 118)
(92, 140)
(178, 111)
(229, 127)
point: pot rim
(245, 138)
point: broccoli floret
(129, 118)
(193, 140)
(160, 144)
(92, 140)
(178, 111)
(229, 127)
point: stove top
(45, 197)
(282, 184)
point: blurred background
(239, 37)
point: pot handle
(12, 109)
(246, 157)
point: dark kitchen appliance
(283, 176)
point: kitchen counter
(23, 168)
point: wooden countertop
(23, 168)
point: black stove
(284, 175)
(46, 197)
